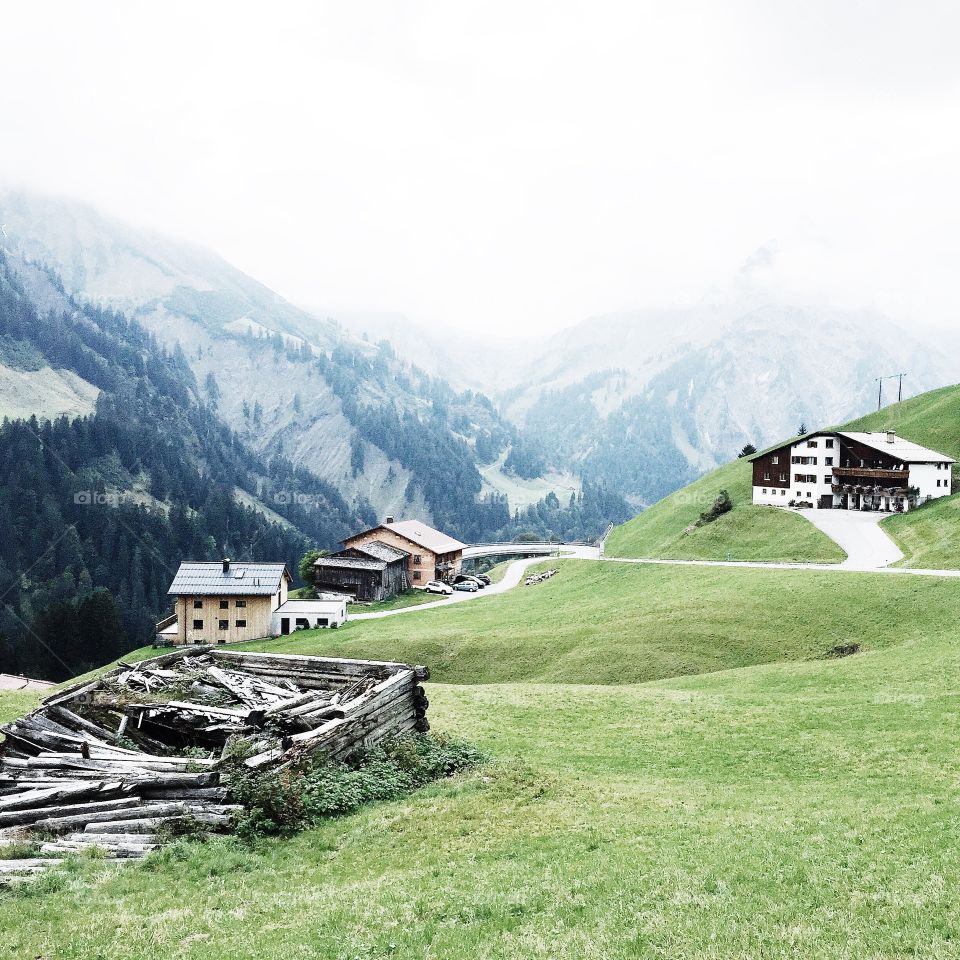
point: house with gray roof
(368, 572)
(224, 601)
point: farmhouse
(851, 471)
(431, 555)
(373, 571)
(227, 602)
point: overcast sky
(519, 165)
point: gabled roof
(349, 563)
(418, 533)
(241, 579)
(899, 447)
(379, 550)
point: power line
(899, 377)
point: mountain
(390, 438)
(99, 505)
(646, 402)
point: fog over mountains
(639, 402)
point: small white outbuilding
(308, 614)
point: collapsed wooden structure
(113, 762)
(539, 577)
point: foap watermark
(285, 498)
(101, 498)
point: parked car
(438, 586)
(476, 581)
(483, 578)
(467, 586)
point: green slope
(775, 812)
(624, 623)
(747, 532)
(929, 538)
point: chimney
(226, 565)
(388, 520)
(891, 436)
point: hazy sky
(520, 165)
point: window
(765, 489)
(240, 623)
(224, 604)
(828, 443)
(775, 459)
(417, 559)
(416, 574)
(794, 459)
(241, 603)
(197, 604)
(811, 443)
(783, 478)
(766, 475)
(828, 479)
(783, 493)
(224, 624)
(197, 624)
(828, 461)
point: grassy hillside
(793, 810)
(747, 532)
(760, 533)
(931, 419)
(626, 623)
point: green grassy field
(627, 623)
(780, 811)
(747, 532)
(408, 598)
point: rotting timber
(109, 763)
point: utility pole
(891, 376)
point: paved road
(865, 549)
(511, 578)
(859, 534)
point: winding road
(868, 549)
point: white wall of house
(932, 479)
(817, 453)
(308, 614)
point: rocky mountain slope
(389, 437)
(648, 401)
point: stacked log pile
(116, 762)
(540, 577)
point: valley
(674, 774)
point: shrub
(721, 505)
(285, 801)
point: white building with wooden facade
(850, 470)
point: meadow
(785, 810)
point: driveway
(859, 534)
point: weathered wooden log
(43, 797)
(186, 794)
(19, 818)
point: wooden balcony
(891, 478)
